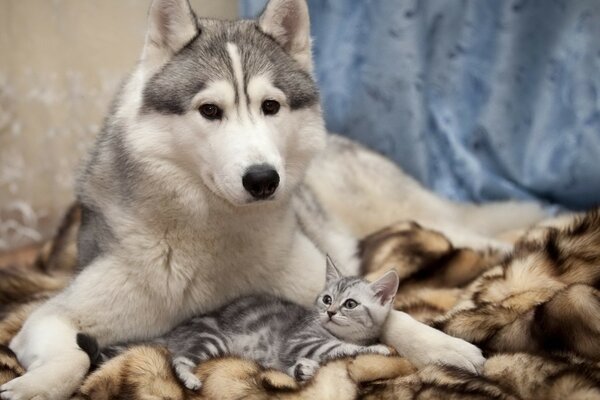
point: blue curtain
(479, 100)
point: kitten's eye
(327, 299)
(270, 107)
(211, 111)
(350, 303)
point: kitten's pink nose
(331, 313)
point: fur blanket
(535, 313)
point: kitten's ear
(288, 22)
(385, 288)
(171, 25)
(333, 274)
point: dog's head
(232, 103)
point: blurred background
(479, 100)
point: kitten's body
(283, 335)
(273, 332)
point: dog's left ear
(288, 22)
(385, 288)
(171, 25)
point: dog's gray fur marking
(121, 174)
(206, 59)
(110, 158)
(94, 236)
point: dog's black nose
(261, 181)
(331, 313)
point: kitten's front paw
(191, 382)
(304, 369)
(184, 369)
(378, 349)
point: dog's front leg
(47, 348)
(108, 301)
(423, 345)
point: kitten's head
(353, 309)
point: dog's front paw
(423, 345)
(438, 348)
(459, 353)
(28, 387)
(56, 380)
(304, 369)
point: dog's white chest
(198, 273)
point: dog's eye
(270, 107)
(327, 299)
(211, 111)
(350, 303)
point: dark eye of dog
(211, 111)
(327, 299)
(270, 107)
(350, 303)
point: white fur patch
(261, 88)
(46, 347)
(238, 73)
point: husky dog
(213, 178)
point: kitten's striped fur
(283, 335)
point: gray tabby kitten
(346, 321)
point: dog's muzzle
(261, 181)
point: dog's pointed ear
(171, 25)
(288, 22)
(333, 274)
(385, 288)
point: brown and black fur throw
(535, 313)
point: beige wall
(60, 62)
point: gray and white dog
(214, 178)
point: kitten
(346, 321)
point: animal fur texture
(534, 312)
(345, 321)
